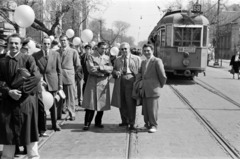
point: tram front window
(187, 36)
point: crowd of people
(61, 67)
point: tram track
(233, 152)
(215, 91)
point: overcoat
(50, 69)
(18, 118)
(97, 91)
(134, 66)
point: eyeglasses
(46, 43)
(123, 49)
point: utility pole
(217, 54)
(100, 21)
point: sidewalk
(179, 135)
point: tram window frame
(187, 40)
(163, 37)
(205, 36)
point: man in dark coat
(49, 64)
(18, 114)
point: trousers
(32, 151)
(128, 104)
(89, 117)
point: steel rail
(218, 137)
(215, 91)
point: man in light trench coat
(97, 92)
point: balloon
(24, 16)
(114, 51)
(84, 44)
(51, 37)
(87, 35)
(47, 100)
(70, 33)
(93, 43)
(76, 41)
(117, 45)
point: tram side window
(162, 37)
(205, 35)
(177, 37)
(187, 36)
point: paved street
(179, 135)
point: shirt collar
(150, 58)
(8, 54)
(128, 56)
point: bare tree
(53, 12)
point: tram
(181, 41)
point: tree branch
(59, 16)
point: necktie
(125, 65)
(46, 55)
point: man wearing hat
(3, 47)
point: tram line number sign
(187, 49)
(197, 8)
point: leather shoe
(122, 124)
(132, 127)
(57, 128)
(99, 126)
(72, 118)
(44, 135)
(152, 130)
(85, 127)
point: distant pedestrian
(3, 47)
(126, 67)
(87, 52)
(55, 45)
(70, 65)
(97, 92)
(235, 63)
(153, 79)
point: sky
(142, 15)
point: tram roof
(176, 17)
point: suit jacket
(70, 64)
(134, 66)
(154, 78)
(50, 69)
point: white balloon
(47, 99)
(24, 16)
(70, 33)
(117, 45)
(93, 43)
(114, 51)
(76, 41)
(51, 37)
(87, 35)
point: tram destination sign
(187, 49)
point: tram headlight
(185, 54)
(186, 62)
